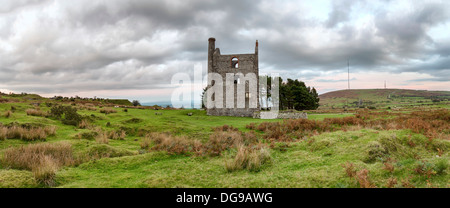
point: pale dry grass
(146, 142)
(45, 171)
(43, 159)
(84, 124)
(108, 111)
(35, 112)
(172, 144)
(250, 158)
(102, 138)
(28, 134)
(117, 135)
(220, 141)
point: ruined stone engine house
(238, 66)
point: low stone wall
(280, 115)
(236, 112)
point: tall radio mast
(348, 72)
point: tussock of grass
(27, 133)
(102, 138)
(173, 144)
(84, 124)
(102, 150)
(26, 157)
(375, 151)
(43, 159)
(90, 135)
(44, 170)
(441, 166)
(249, 157)
(108, 111)
(146, 142)
(220, 141)
(225, 128)
(35, 112)
(117, 135)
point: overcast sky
(131, 49)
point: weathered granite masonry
(234, 63)
(281, 115)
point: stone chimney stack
(211, 49)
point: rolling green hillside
(382, 98)
(97, 144)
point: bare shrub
(71, 117)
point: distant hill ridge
(371, 97)
(361, 93)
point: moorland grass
(385, 148)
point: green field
(383, 98)
(316, 159)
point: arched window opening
(235, 62)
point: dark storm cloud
(406, 32)
(340, 12)
(64, 46)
